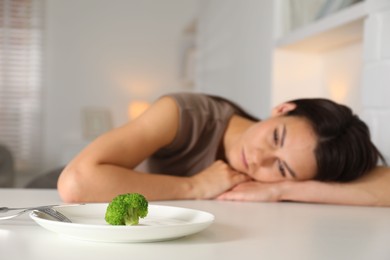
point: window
(21, 62)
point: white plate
(161, 223)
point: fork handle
(6, 209)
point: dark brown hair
(344, 151)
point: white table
(285, 231)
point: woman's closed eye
(278, 142)
(281, 168)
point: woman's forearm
(371, 190)
(91, 182)
(101, 183)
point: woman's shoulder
(198, 114)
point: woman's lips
(244, 161)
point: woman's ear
(283, 109)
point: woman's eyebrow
(284, 133)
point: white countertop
(285, 231)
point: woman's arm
(105, 168)
(370, 190)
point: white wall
(103, 54)
(376, 73)
(234, 52)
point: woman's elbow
(70, 184)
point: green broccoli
(126, 209)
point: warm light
(338, 90)
(136, 108)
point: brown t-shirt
(203, 120)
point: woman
(202, 147)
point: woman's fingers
(253, 191)
(238, 178)
(216, 179)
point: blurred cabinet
(319, 54)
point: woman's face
(279, 148)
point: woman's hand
(254, 191)
(216, 179)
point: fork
(45, 209)
(55, 214)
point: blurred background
(71, 70)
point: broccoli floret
(126, 209)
